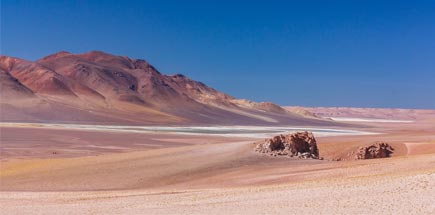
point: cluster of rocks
(376, 150)
(300, 144)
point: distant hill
(369, 113)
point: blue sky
(308, 53)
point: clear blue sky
(310, 53)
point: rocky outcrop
(376, 150)
(300, 144)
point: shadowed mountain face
(97, 87)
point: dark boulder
(376, 150)
(300, 144)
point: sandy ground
(405, 194)
(61, 171)
(30, 142)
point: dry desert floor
(58, 170)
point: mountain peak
(96, 53)
(56, 55)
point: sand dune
(222, 185)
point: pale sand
(394, 193)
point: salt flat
(230, 131)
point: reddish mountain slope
(97, 87)
(11, 88)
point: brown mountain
(101, 88)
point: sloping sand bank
(362, 188)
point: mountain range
(100, 88)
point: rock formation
(376, 150)
(300, 144)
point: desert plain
(96, 133)
(64, 170)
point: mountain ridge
(99, 87)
